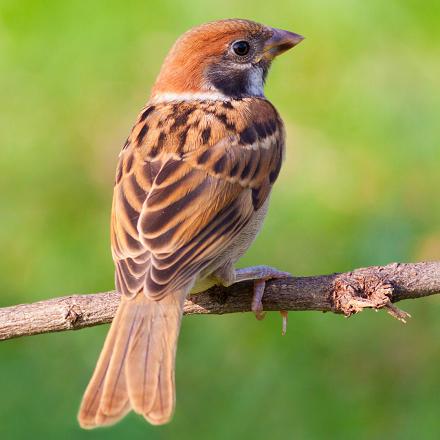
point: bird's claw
(266, 273)
(257, 304)
(284, 315)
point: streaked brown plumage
(191, 192)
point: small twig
(348, 293)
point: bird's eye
(241, 48)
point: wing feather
(189, 180)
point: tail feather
(150, 366)
(92, 397)
(114, 395)
(163, 405)
(136, 366)
(143, 365)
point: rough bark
(347, 293)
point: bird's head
(226, 58)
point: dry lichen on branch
(348, 293)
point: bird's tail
(136, 367)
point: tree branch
(347, 293)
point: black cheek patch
(230, 82)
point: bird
(191, 191)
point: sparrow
(191, 191)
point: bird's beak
(279, 42)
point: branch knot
(354, 292)
(73, 315)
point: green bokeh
(361, 102)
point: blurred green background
(361, 101)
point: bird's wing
(190, 178)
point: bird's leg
(259, 275)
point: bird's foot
(261, 274)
